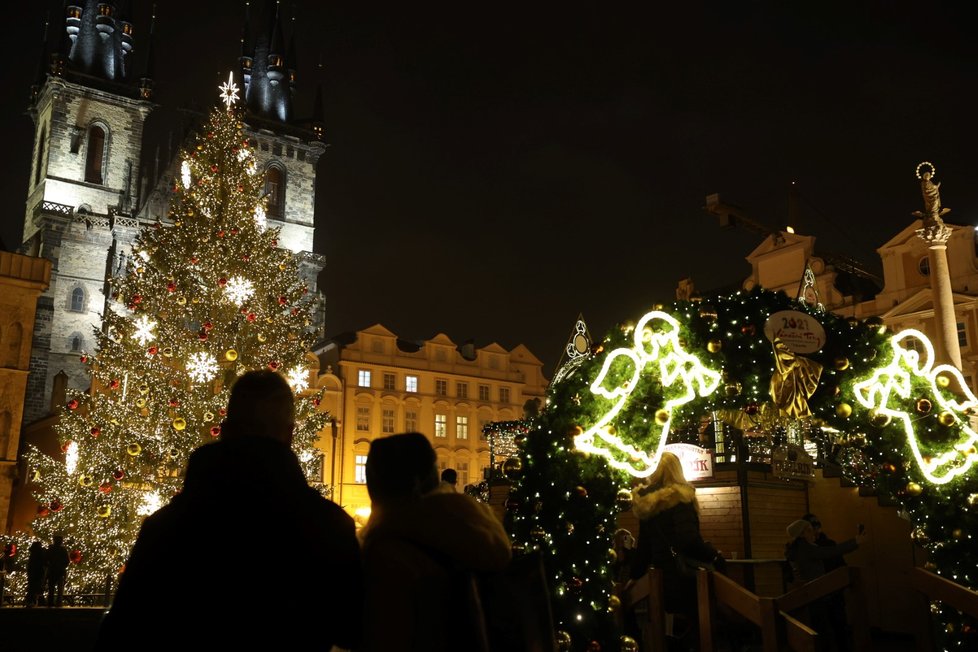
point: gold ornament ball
(879, 419)
(662, 417)
(181, 300)
(208, 416)
(261, 337)
(85, 480)
(914, 489)
(623, 500)
(174, 453)
(627, 644)
(179, 424)
(841, 363)
(946, 419)
(943, 381)
(614, 603)
(230, 355)
(104, 511)
(512, 467)
(713, 346)
(563, 640)
(144, 389)
(924, 406)
(844, 410)
(140, 402)
(134, 449)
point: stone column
(935, 235)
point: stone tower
(88, 120)
(86, 198)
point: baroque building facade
(88, 194)
(377, 384)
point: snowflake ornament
(239, 289)
(185, 174)
(201, 367)
(144, 327)
(299, 379)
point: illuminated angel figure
(896, 378)
(656, 341)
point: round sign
(799, 331)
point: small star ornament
(229, 91)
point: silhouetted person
(247, 555)
(449, 477)
(56, 560)
(36, 572)
(669, 520)
(419, 543)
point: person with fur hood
(669, 521)
(421, 545)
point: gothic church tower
(84, 207)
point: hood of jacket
(452, 524)
(655, 502)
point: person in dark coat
(421, 541)
(669, 520)
(36, 572)
(809, 562)
(248, 555)
(56, 562)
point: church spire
(264, 67)
(101, 40)
(149, 71)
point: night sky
(496, 169)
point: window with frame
(962, 334)
(76, 342)
(410, 421)
(462, 390)
(360, 469)
(923, 266)
(390, 381)
(77, 303)
(410, 383)
(462, 469)
(95, 154)
(504, 394)
(363, 418)
(441, 425)
(461, 427)
(483, 392)
(441, 387)
(387, 421)
(363, 378)
(275, 192)
(41, 144)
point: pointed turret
(264, 67)
(149, 68)
(42, 64)
(101, 39)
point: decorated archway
(774, 370)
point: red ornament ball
(580, 491)
(73, 404)
(222, 281)
(282, 301)
(171, 287)
(251, 316)
(215, 431)
(75, 556)
(56, 505)
(214, 169)
(105, 488)
(152, 350)
(84, 359)
(245, 257)
(208, 325)
(137, 298)
(43, 510)
(174, 403)
(10, 549)
(234, 231)
(273, 365)
(748, 329)
(202, 336)
(118, 474)
(114, 383)
(96, 431)
(222, 411)
(220, 233)
(64, 446)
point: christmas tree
(207, 296)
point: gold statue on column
(933, 211)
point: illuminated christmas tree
(207, 296)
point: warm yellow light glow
(656, 340)
(299, 379)
(151, 503)
(71, 457)
(895, 378)
(185, 174)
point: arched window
(39, 163)
(77, 342)
(95, 154)
(275, 192)
(77, 303)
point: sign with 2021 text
(800, 332)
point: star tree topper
(229, 91)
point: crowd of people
(400, 583)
